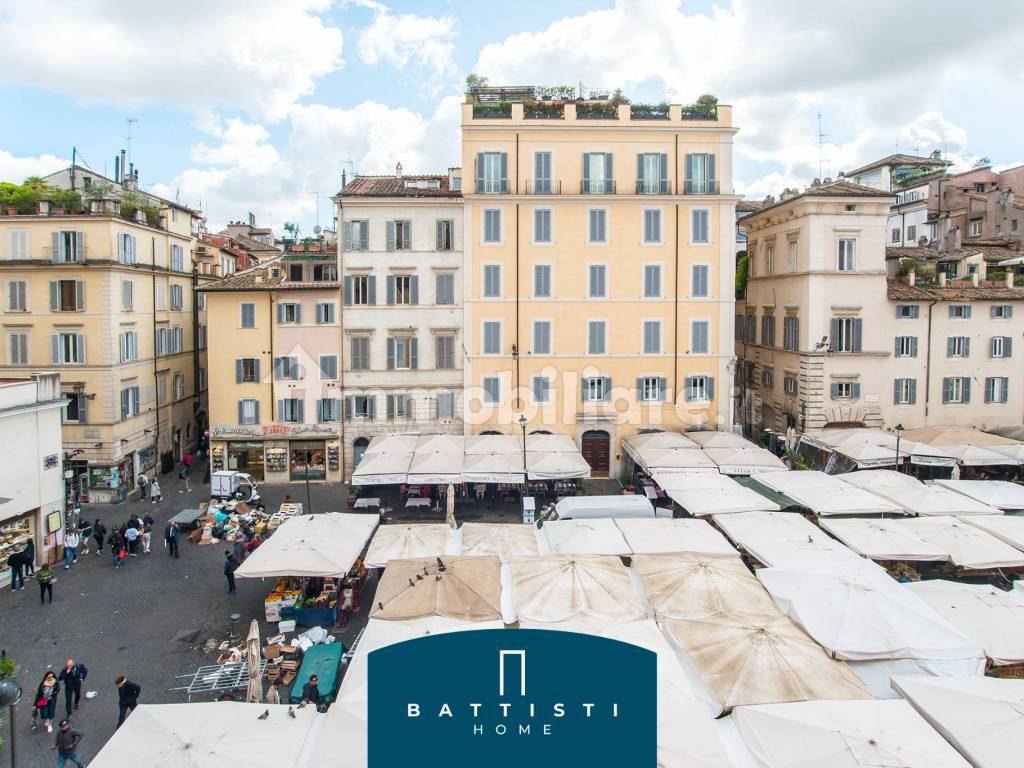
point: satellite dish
(317, 230)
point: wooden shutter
(834, 390)
(967, 389)
(641, 186)
(414, 284)
(241, 409)
(390, 289)
(913, 391)
(689, 173)
(586, 173)
(391, 353)
(390, 407)
(54, 295)
(609, 176)
(855, 390)
(710, 383)
(347, 235)
(663, 173)
(639, 380)
(479, 172)
(438, 235)
(407, 235)
(711, 174)
(949, 346)
(80, 348)
(967, 346)
(55, 348)
(56, 241)
(413, 353)
(504, 173)
(947, 387)
(347, 290)
(372, 293)
(391, 235)
(858, 325)
(834, 339)
(371, 404)
(1007, 346)
(913, 346)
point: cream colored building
(599, 276)
(826, 338)
(107, 302)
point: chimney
(816, 183)
(124, 166)
(398, 170)
(912, 277)
(117, 168)
(1009, 277)
(344, 180)
(942, 279)
(975, 279)
(936, 155)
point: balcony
(701, 187)
(501, 110)
(646, 187)
(544, 187)
(649, 111)
(597, 187)
(542, 110)
(492, 186)
(79, 256)
(694, 113)
(596, 111)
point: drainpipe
(928, 365)
(341, 333)
(675, 289)
(270, 310)
(156, 376)
(195, 349)
(519, 347)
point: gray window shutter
(913, 346)
(689, 172)
(951, 311)
(711, 387)
(834, 338)
(711, 174)
(855, 390)
(586, 173)
(639, 381)
(662, 388)
(348, 289)
(949, 346)
(371, 404)
(298, 313)
(913, 391)
(504, 172)
(372, 283)
(391, 235)
(1007, 346)
(608, 173)
(391, 353)
(390, 406)
(364, 236)
(391, 289)
(967, 389)
(990, 389)
(413, 352)
(858, 326)
(348, 407)
(688, 387)
(947, 386)
(239, 411)
(278, 368)
(438, 236)
(54, 295)
(80, 347)
(414, 282)
(55, 348)
(641, 184)
(607, 384)
(896, 391)
(1009, 311)
(479, 172)
(347, 236)
(967, 346)
(281, 405)
(406, 235)
(280, 313)
(663, 173)
(896, 351)
(238, 370)
(55, 244)
(835, 390)
(300, 410)
(967, 312)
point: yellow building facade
(600, 271)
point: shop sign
(272, 430)
(50, 462)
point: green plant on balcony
(25, 197)
(704, 108)
(649, 111)
(596, 110)
(742, 272)
(132, 202)
(555, 92)
(618, 98)
(544, 110)
(474, 82)
(98, 190)
(498, 109)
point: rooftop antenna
(821, 145)
(316, 194)
(131, 121)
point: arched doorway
(597, 451)
(490, 432)
(358, 449)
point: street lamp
(522, 426)
(10, 694)
(899, 432)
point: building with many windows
(403, 285)
(599, 278)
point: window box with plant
(649, 111)
(500, 110)
(543, 110)
(705, 108)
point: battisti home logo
(513, 697)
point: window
(1001, 346)
(17, 348)
(67, 247)
(327, 409)
(596, 337)
(444, 230)
(908, 311)
(996, 389)
(699, 229)
(129, 402)
(359, 347)
(328, 367)
(444, 287)
(979, 186)
(201, 301)
(247, 370)
(492, 389)
(652, 281)
(403, 289)
(363, 406)
(911, 233)
(202, 379)
(768, 330)
(399, 407)
(597, 226)
(445, 405)
(652, 174)
(444, 352)
(769, 260)
(17, 296)
(974, 228)
(76, 408)
(792, 256)
(699, 388)
(67, 295)
(700, 174)
(127, 295)
(906, 346)
(17, 244)
(492, 281)
(651, 389)
(956, 390)
(360, 289)
(248, 316)
(1002, 311)
(296, 273)
(750, 334)
(596, 281)
(126, 248)
(789, 385)
(287, 369)
(896, 235)
(652, 337)
(201, 336)
(597, 174)
(492, 337)
(846, 334)
(179, 386)
(325, 273)
(699, 337)
(652, 225)
(972, 269)
(290, 410)
(1014, 223)
(542, 281)
(128, 346)
(492, 173)
(67, 348)
(699, 281)
(541, 390)
(542, 337)
(597, 389)
(846, 254)
(767, 378)
(289, 314)
(904, 392)
(791, 333)
(177, 258)
(959, 311)
(402, 352)
(542, 173)
(492, 225)
(958, 346)
(542, 225)
(845, 390)
(325, 313)
(356, 235)
(399, 235)
(177, 298)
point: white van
(590, 507)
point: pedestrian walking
(127, 697)
(238, 549)
(46, 699)
(71, 548)
(230, 566)
(16, 562)
(29, 557)
(72, 675)
(45, 579)
(99, 533)
(154, 492)
(183, 475)
(131, 535)
(171, 539)
(147, 532)
(117, 552)
(142, 481)
(66, 744)
(85, 533)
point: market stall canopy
(435, 468)
(493, 467)
(504, 541)
(394, 442)
(507, 444)
(968, 547)
(711, 439)
(655, 535)
(560, 587)
(997, 493)
(876, 479)
(760, 658)
(843, 734)
(654, 440)
(555, 465)
(750, 460)
(853, 444)
(980, 456)
(461, 588)
(583, 536)
(662, 463)
(707, 494)
(311, 545)
(882, 540)
(857, 612)
(983, 717)
(991, 617)
(382, 467)
(827, 494)
(925, 500)
(550, 444)
(953, 436)
(1014, 432)
(221, 734)
(1013, 452)
(440, 444)
(402, 541)
(1008, 528)
(778, 538)
(686, 585)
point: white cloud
(16, 169)
(254, 55)
(427, 41)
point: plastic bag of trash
(315, 635)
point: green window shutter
(391, 235)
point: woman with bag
(117, 552)
(46, 700)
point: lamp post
(522, 426)
(899, 432)
(10, 695)
(309, 504)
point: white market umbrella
(876, 479)
(461, 588)
(750, 460)
(503, 540)
(929, 500)
(719, 440)
(449, 498)
(582, 536)
(979, 456)
(403, 541)
(560, 587)
(684, 585)
(660, 535)
(997, 493)
(777, 538)
(968, 546)
(657, 440)
(1007, 528)
(327, 544)
(881, 540)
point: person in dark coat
(127, 697)
(16, 562)
(99, 533)
(230, 566)
(117, 544)
(66, 744)
(238, 549)
(310, 691)
(171, 539)
(29, 557)
(72, 676)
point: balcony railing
(701, 187)
(700, 114)
(597, 187)
(66, 258)
(543, 110)
(544, 187)
(649, 111)
(492, 186)
(657, 187)
(500, 110)
(585, 111)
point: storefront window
(14, 535)
(308, 460)
(246, 457)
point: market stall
(750, 460)
(598, 536)
(827, 495)
(1007, 528)
(659, 535)
(382, 468)
(778, 538)
(997, 493)
(969, 547)
(883, 540)
(461, 588)
(929, 500)
(703, 495)
(560, 587)
(411, 540)
(710, 439)
(686, 585)
(504, 541)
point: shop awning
(382, 468)
(882, 540)
(745, 461)
(558, 465)
(435, 468)
(493, 468)
(311, 545)
(996, 493)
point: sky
(259, 105)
